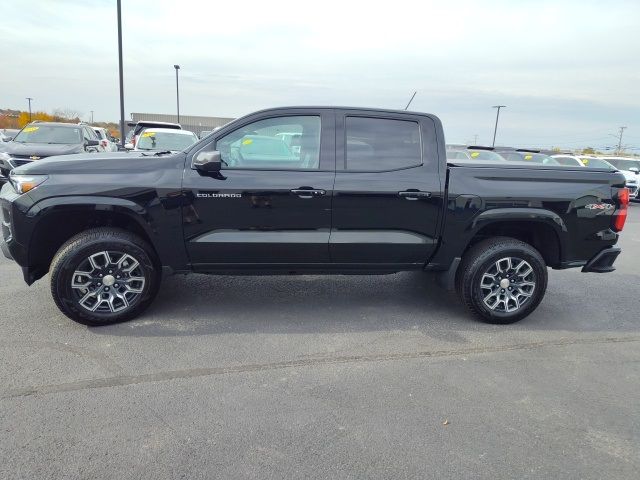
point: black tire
(476, 271)
(79, 249)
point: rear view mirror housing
(208, 162)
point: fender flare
(120, 206)
(531, 215)
(519, 214)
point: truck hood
(90, 163)
(40, 149)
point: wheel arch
(542, 229)
(61, 218)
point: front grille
(17, 163)
(28, 157)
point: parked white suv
(106, 144)
(627, 164)
(630, 176)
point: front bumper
(602, 262)
(5, 249)
(9, 245)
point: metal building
(193, 123)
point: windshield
(49, 134)
(624, 164)
(165, 141)
(538, 158)
(485, 155)
(596, 163)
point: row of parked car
(44, 139)
(628, 166)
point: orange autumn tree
(23, 118)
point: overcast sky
(568, 71)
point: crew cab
(365, 192)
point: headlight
(26, 183)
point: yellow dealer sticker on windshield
(528, 157)
(248, 141)
(148, 134)
(475, 154)
(31, 129)
(585, 161)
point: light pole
(177, 67)
(620, 140)
(91, 116)
(495, 130)
(120, 73)
(29, 99)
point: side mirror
(208, 162)
(128, 146)
(634, 170)
(7, 139)
(92, 143)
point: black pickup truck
(307, 190)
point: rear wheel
(502, 280)
(104, 276)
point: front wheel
(104, 276)
(502, 280)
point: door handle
(308, 192)
(414, 194)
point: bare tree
(67, 114)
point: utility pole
(29, 99)
(177, 67)
(475, 139)
(496, 128)
(120, 74)
(91, 116)
(411, 100)
(620, 140)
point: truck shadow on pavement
(210, 305)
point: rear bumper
(602, 262)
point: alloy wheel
(508, 284)
(108, 282)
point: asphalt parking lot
(325, 377)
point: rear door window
(381, 144)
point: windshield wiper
(163, 152)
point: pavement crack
(126, 380)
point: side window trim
(373, 115)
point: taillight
(104, 143)
(620, 215)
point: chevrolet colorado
(362, 192)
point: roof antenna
(411, 100)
